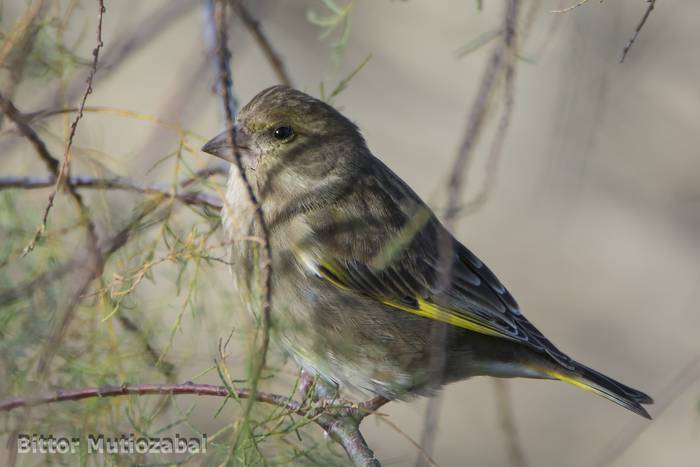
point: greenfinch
(357, 274)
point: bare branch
(642, 22)
(499, 59)
(225, 81)
(62, 170)
(479, 109)
(637, 30)
(21, 120)
(492, 163)
(118, 183)
(140, 389)
(253, 27)
(333, 419)
(516, 454)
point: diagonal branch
(63, 168)
(22, 122)
(255, 30)
(642, 22)
(499, 61)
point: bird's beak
(220, 146)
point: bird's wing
(407, 273)
(473, 299)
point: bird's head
(290, 142)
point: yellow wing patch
(425, 308)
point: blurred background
(592, 221)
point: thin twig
(504, 404)
(114, 183)
(21, 120)
(494, 157)
(642, 22)
(223, 55)
(165, 367)
(438, 335)
(253, 27)
(572, 7)
(117, 53)
(142, 389)
(479, 110)
(62, 170)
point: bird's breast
(237, 214)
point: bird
(358, 275)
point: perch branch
(332, 419)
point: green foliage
(334, 25)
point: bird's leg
(320, 390)
(306, 381)
(326, 392)
(373, 404)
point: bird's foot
(317, 390)
(306, 381)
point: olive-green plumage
(357, 271)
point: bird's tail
(590, 380)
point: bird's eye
(283, 133)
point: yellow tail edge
(591, 386)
